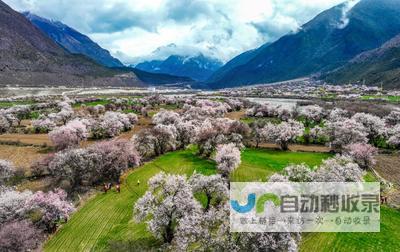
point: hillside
(30, 58)
(374, 67)
(326, 42)
(73, 41)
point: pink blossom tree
(133, 118)
(111, 124)
(19, 236)
(69, 135)
(114, 157)
(43, 125)
(227, 158)
(363, 154)
(74, 169)
(53, 207)
(214, 132)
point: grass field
(92, 104)
(8, 104)
(388, 239)
(108, 217)
(390, 98)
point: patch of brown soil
(33, 139)
(236, 115)
(388, 166)
(298, 147)
(21, 156)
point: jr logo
(259, 203)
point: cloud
(344, 20)
(134, 29)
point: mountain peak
(198, 67)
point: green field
(390, 98)
(108, 217)
(388, 239)
(8, 104)
(92, 104)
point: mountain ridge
(72, 40)
(324, 43)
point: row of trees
(77, 169)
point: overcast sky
(133, 30)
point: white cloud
(344, 21)
(133, 29)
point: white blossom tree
(363, 154)
(166, 117)
(298, 173)
(344, 132)
(168, 200)
(227, 158)
(214, 188)
(12, 204)
(186, 133)
(393, 118)
(374, 126)
(210, 231)
(4, 123)
(338, 114)
(283, 133)
(7, 170)
(312, 113)
(338, 169)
